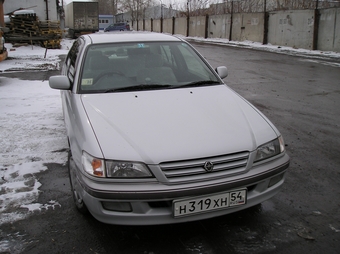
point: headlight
(92, 165)
(270, 149)
(126, 169)
(114, 169)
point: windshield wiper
(197, 83)
(139, 87)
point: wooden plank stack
(26, 28)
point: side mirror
(222, 71)
(60, 82)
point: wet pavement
(302, 98)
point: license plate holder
(203, 204)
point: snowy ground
(32, 129)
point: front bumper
(152, 203)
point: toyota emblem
(208, 166)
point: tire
(78, 201)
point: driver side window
(71, 61)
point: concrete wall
(291, 28)
(219, 26)
(181, 26)
(167, 26)
(197, 26)
(136, 24)
(148, 25)
(140, 25)
(329, 30)
(286, 28)
(157, 25)
(248, 27)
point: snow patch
(32, 134)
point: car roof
(128, 36)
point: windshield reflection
(143, 66)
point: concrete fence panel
(285, 28)
(167, 26)
(219, 26)
(147, 25)
(140, 25)
(291, 28)
(248, 27)
(237, 26)
(192, 26)
(181, 26)
(197, 26)
(134, 25)
(157, 25)
(329, 30)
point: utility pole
(316, 26)
(231, 20)
(161, 16)
(114, 10)
(161, 9)
(188, 17)
(266, 21)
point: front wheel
(77, 199)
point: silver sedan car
(157, 137)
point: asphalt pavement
(300, 95)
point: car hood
(176, 124)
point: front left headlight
(270, 149)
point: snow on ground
(33, 58)
(32, 131)
(32, 128)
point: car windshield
(119, 67)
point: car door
(70, 97)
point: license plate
(209, 203)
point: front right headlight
(114, 169)
(270, 149)
(126, 169)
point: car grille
(193, 170)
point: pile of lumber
(26, 28)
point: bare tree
(180, 6)
(190, 7)
(201, 7)
(135, 7)
(198, 7)
(304, 4)
(105, 7)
